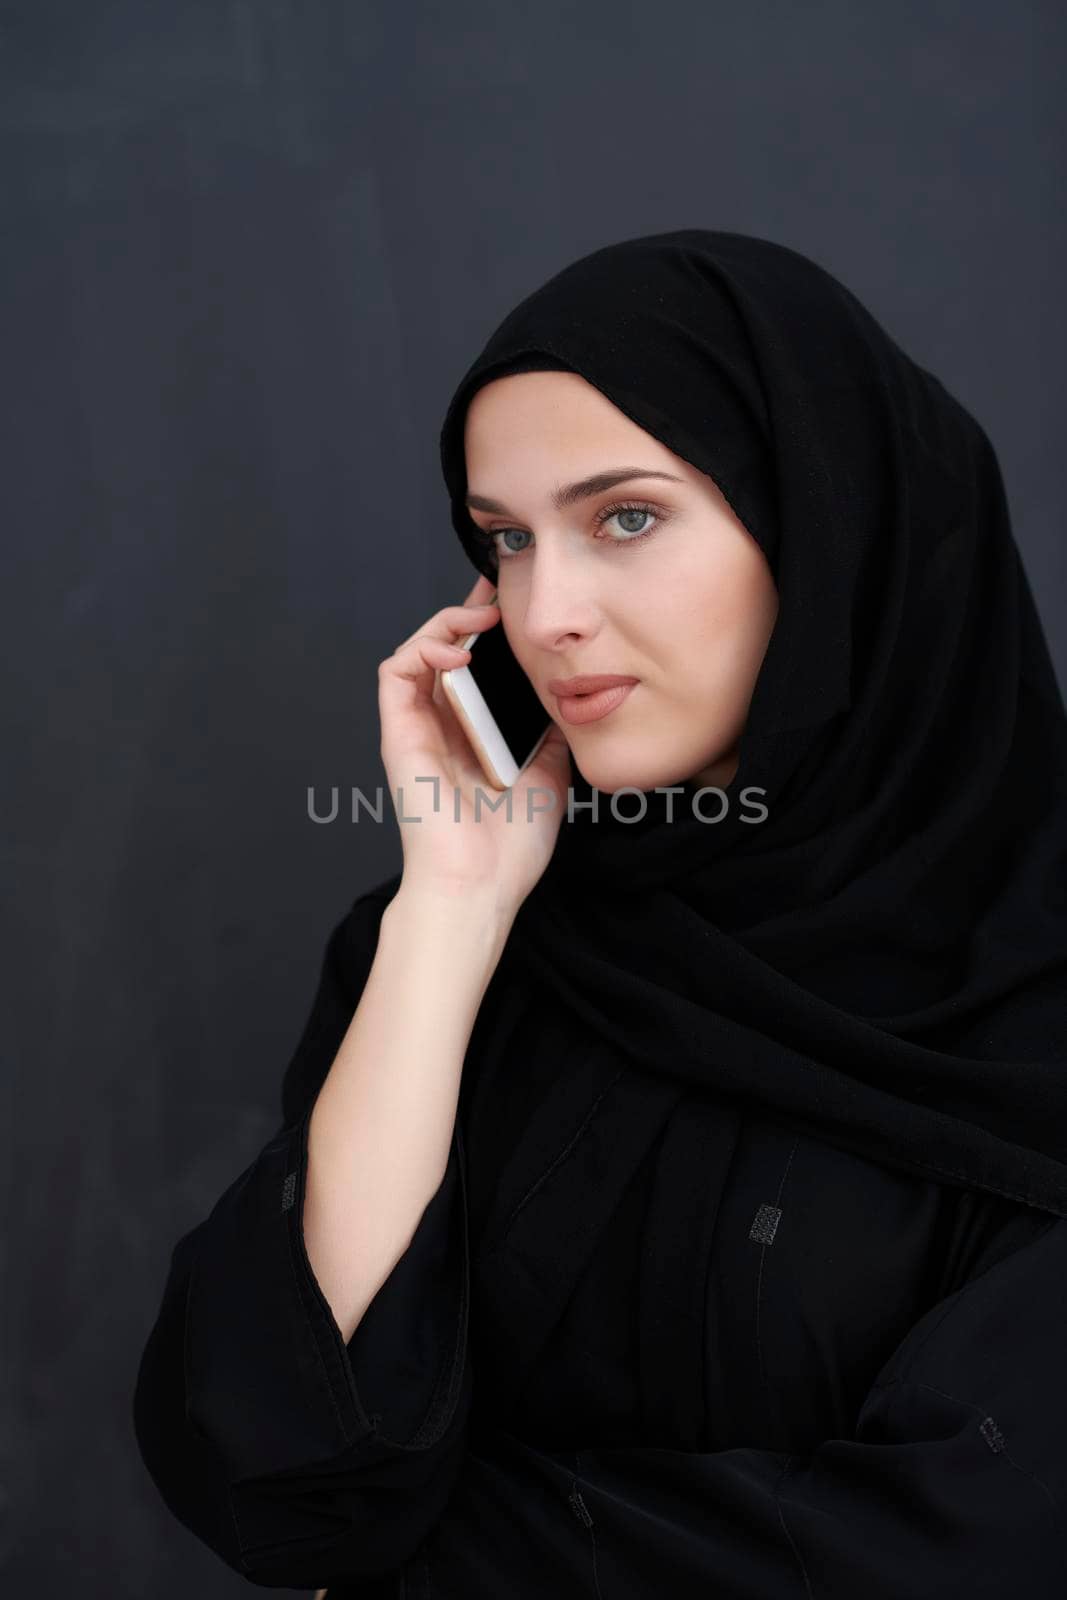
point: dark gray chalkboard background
(248, 248)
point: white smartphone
(496, 706)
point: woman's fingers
(484, 589)
(434, 648)
(455, 622)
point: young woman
(671, 1189)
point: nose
(560, 609)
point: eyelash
(488, 535)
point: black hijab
(882, 960)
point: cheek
(736, 604)
(724, 628)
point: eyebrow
(584, 489)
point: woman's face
(687, 610)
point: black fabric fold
(297, 1458)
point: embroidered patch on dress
(765, 1225)
(992, 1435)
(579, 1507)
(288, 1191)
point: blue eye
(629, 508)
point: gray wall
(249, 247)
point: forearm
(382, 1125)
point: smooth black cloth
(747, 1274)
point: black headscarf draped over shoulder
(882, 960)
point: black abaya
(813, 1375)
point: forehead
(557, 419)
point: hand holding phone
(432, 732)
(496, 705)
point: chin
(621, 771)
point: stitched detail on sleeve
(765, 1225)
(992, 1434)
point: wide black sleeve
(299, 1459)
(952, 1483)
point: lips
(578, 708)
(587, 683)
